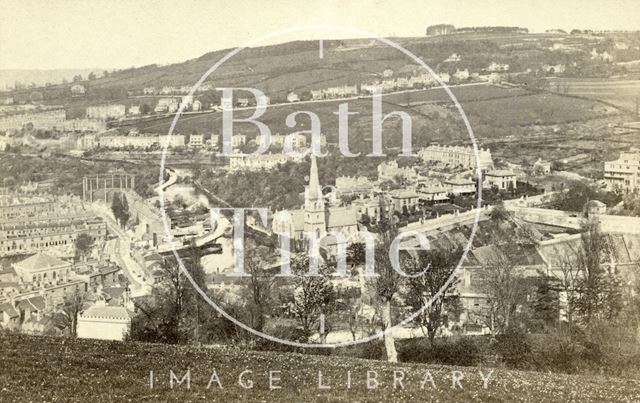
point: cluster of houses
(176, 90)
(48, 120)
(136, 140)
(355, 200)
(410, 76)
(43, 269)
(33, 292)
(38, 223)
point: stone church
(317, 217)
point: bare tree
(355, 311)
(313, 296)
(73, 304)
(387, 284)
(599, 295)
(567, 277)
(503, 285)
(440, 265)
(260, 288)
(173, 312)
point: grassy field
(540, 108)
(53, 369)
(486, 106)
(621, 93)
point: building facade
(623, 174)
(106, 112)
(458, 156)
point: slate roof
(33, 303)
(40, 261)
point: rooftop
(500, 172)
(106, 312)
(40, 261)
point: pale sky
(44, 34)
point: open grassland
(621, 93)
(538, 108)
(54, 369)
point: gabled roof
(33, 303)
(41, 261)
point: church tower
(314, 214)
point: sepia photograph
(320, 201)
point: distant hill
(9, 77)
(296, 66)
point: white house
(104, 322)
(196, 140)
(500, 178)
(461, 74)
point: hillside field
(621, 93)
(434, 116)
(55, 369)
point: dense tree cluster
(120, 208)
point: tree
(356, 252)
(567, 282)
(116, 206)
(260, 290)
(599, 295)
(440, 265)
(547, 303)
(502, 282)
(499, 212)
(83, 244)
(125, 213)
(91, 76)
(355, 311)
(73, 304)
(313, 296)
(388, 282)
(174, 313)
(120, 208)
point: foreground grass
(54, 369)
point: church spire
(315, 193)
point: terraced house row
(35, 224)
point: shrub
(464, 351)
(514, 349)
(373, 350)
